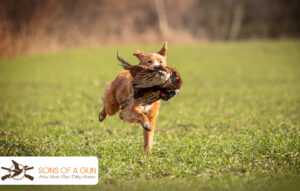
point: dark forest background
(28, 26)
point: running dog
(121, 88)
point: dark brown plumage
(151, 83)
(145, 76)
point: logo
(17, 172)
(48, 170)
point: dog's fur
(121, 88)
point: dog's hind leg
(102, 115)
(110, 104)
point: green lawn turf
(235, 124)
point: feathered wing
(149, 78)
(149, 98)
(146, 98)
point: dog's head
(153, 59)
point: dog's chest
(146, 108)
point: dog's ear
(138, 54)
(163, 50)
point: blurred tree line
(43, 25)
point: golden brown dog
(121, 88)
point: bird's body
(152, 83)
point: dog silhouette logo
(17, 172)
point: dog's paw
(147, 126)
(101, 117)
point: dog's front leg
(148, 135)
(142, 118)
(148, 139)
(135, 114)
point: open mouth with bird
(151, 83)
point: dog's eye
(160, 61)
(150, 61)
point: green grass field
(234, 126)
